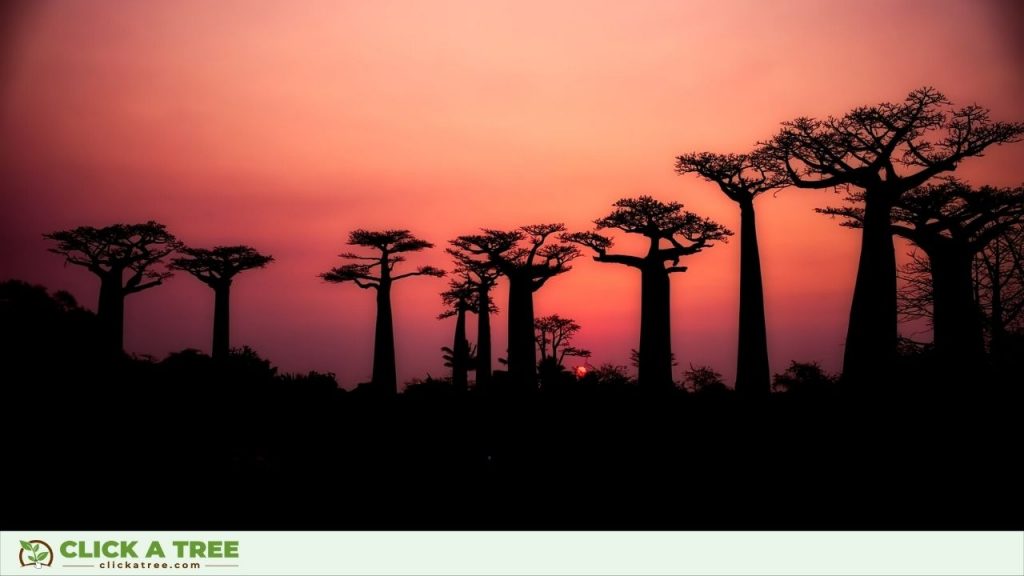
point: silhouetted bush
(429, 387)
(804, 378)
(703, 380)
(554, 376)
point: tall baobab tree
(951, 223)
(126, 259)
(883, 151)
(998, 276)
(377, 272)
(217, 267)
(999, 281)
(671, 234)
(524, 257)
(459, 299)
(481, 275)
(744, 177)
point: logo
(35, 553)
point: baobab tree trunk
(110, 312)
(522, 352)
(385, 377)
(655, 354)
(752, 374)
(996, 326)
(483, 339)
(221, 321)
(871, 338)
(959, 343)
(460, 351)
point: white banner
(498, 553)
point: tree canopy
(685, 232)
(899, 144)
(218, 265)
(369, 271)
(117, 248)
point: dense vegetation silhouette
(226, 441)
(237, 444)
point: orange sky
(286, 124)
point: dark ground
(189, 444)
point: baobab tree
(459, 299)
(524, 257)
(126, 258)
(217, 267)
(951, 222)
(999, 286)
(671, 233)
(377, 272)
(554, 336)
(481, 275)
(998, 277)
(744, 177)
(883, 151)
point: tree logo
(35, 553)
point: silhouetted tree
(44, 332)
(125, 257)
(634, 358)
(804, 378)
(610, 377)
(528, 262)
(998, 277)
(999, 287)
(914, 295)
(460, 298)
(554, 336)
(661, 223)
(951, 223)
(482, 276)
(217, 268)
(703, 380)
(883, 151)
(743, 177)
(377, 272)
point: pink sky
(284, 125)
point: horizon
(290, 126)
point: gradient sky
(284, 125)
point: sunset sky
(284, 125)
